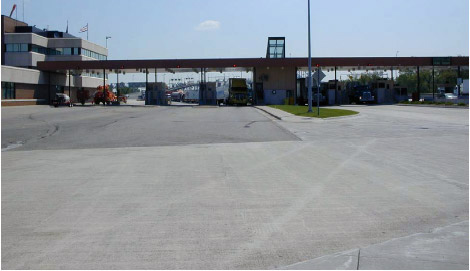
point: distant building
(136, 84)
(23, 46)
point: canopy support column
(147, 99)
(433, 89)
(418, 84)
(117, 85)
(70, 91)
(336, 86)
(104, 87)
(295, 89)
(49, 87)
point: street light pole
(107, 37)
(309, 83)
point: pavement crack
(358, 258)
(52, 130)
(110, 123)
(249, 123)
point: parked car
(451, 96)
(447, 96)
(61, 99)
(177, 96)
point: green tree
(366, 78)
(126, 90)
(409, 79)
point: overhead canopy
(246, 64)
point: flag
(67, 29)
(13, 9)
(84, 29)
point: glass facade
(89, 74)
(276, 48)
(45, 51)
(16, 47)
(68, 51)
(8, 90)
(92, 54)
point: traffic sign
(315, 75)
(314, 78)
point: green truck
(237, 92)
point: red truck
(104, 95)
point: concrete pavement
(442, 248)
(262, 200)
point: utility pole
(309, 84)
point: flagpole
(86, 31)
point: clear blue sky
(167, 28)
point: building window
(38, 49)
(16, 47)
(67, 51)
(54, 51)
(8, 90)
(276, 47)
(92, 54)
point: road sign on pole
(318, 75)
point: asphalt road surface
(222, 188)
(95, 127)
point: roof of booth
(241, 64)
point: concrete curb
(303, 118)
(267, 112)
(436, 106)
